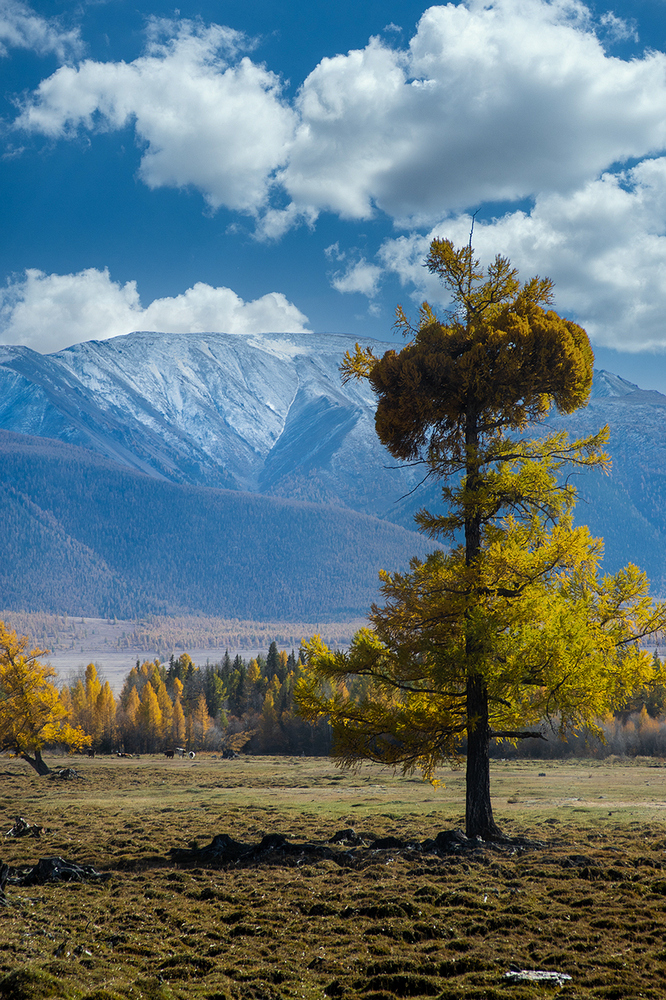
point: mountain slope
(260, 413)
(268, 415)
(84, 535)
(626, 507)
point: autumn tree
(512, 625)
(149, 717)
(105, 716)
(31, 713)
(178, 725)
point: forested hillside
(269, 414)
(83, 535)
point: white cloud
(616, 29)
(48, 312)
(359, 277)
(204, 309)
(604, 246)
(21, 28)
(205, 121)
(488, 102)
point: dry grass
(591, 902)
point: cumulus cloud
(604, 246)
(48, 312)
(488, 102)
(358, 277)
(205, 117)
(21, 28)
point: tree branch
(516, 734)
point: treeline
(156, 634)
(188, 632)
(636, 735)
(248, 705)
(226, 707)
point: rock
(537, 976)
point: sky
(272, 166)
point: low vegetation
(588, 900)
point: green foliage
(563, 648)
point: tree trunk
(39, 765)
(479, 820)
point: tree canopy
(512, 625)
(31, 713)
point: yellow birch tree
(32, 715)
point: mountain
(267, 415)
(626, 506)
(85, 535)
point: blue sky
(273, 166)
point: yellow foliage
(513, 626)
(32, 715)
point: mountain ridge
(86, 536)
(268, 415)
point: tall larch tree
(150, 717)
(179, 726)
(105, 714)
(512, 625)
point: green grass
(591, 902)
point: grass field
(589, 902)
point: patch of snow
(606, 385)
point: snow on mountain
(608, 385)
(261, 413)
(268, 414)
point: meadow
(585, 895)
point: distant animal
(192, 755)
(168, 753)
(90, 752)
(180, 751)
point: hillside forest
(249, 706)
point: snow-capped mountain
(264, 413)
(268, 414)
